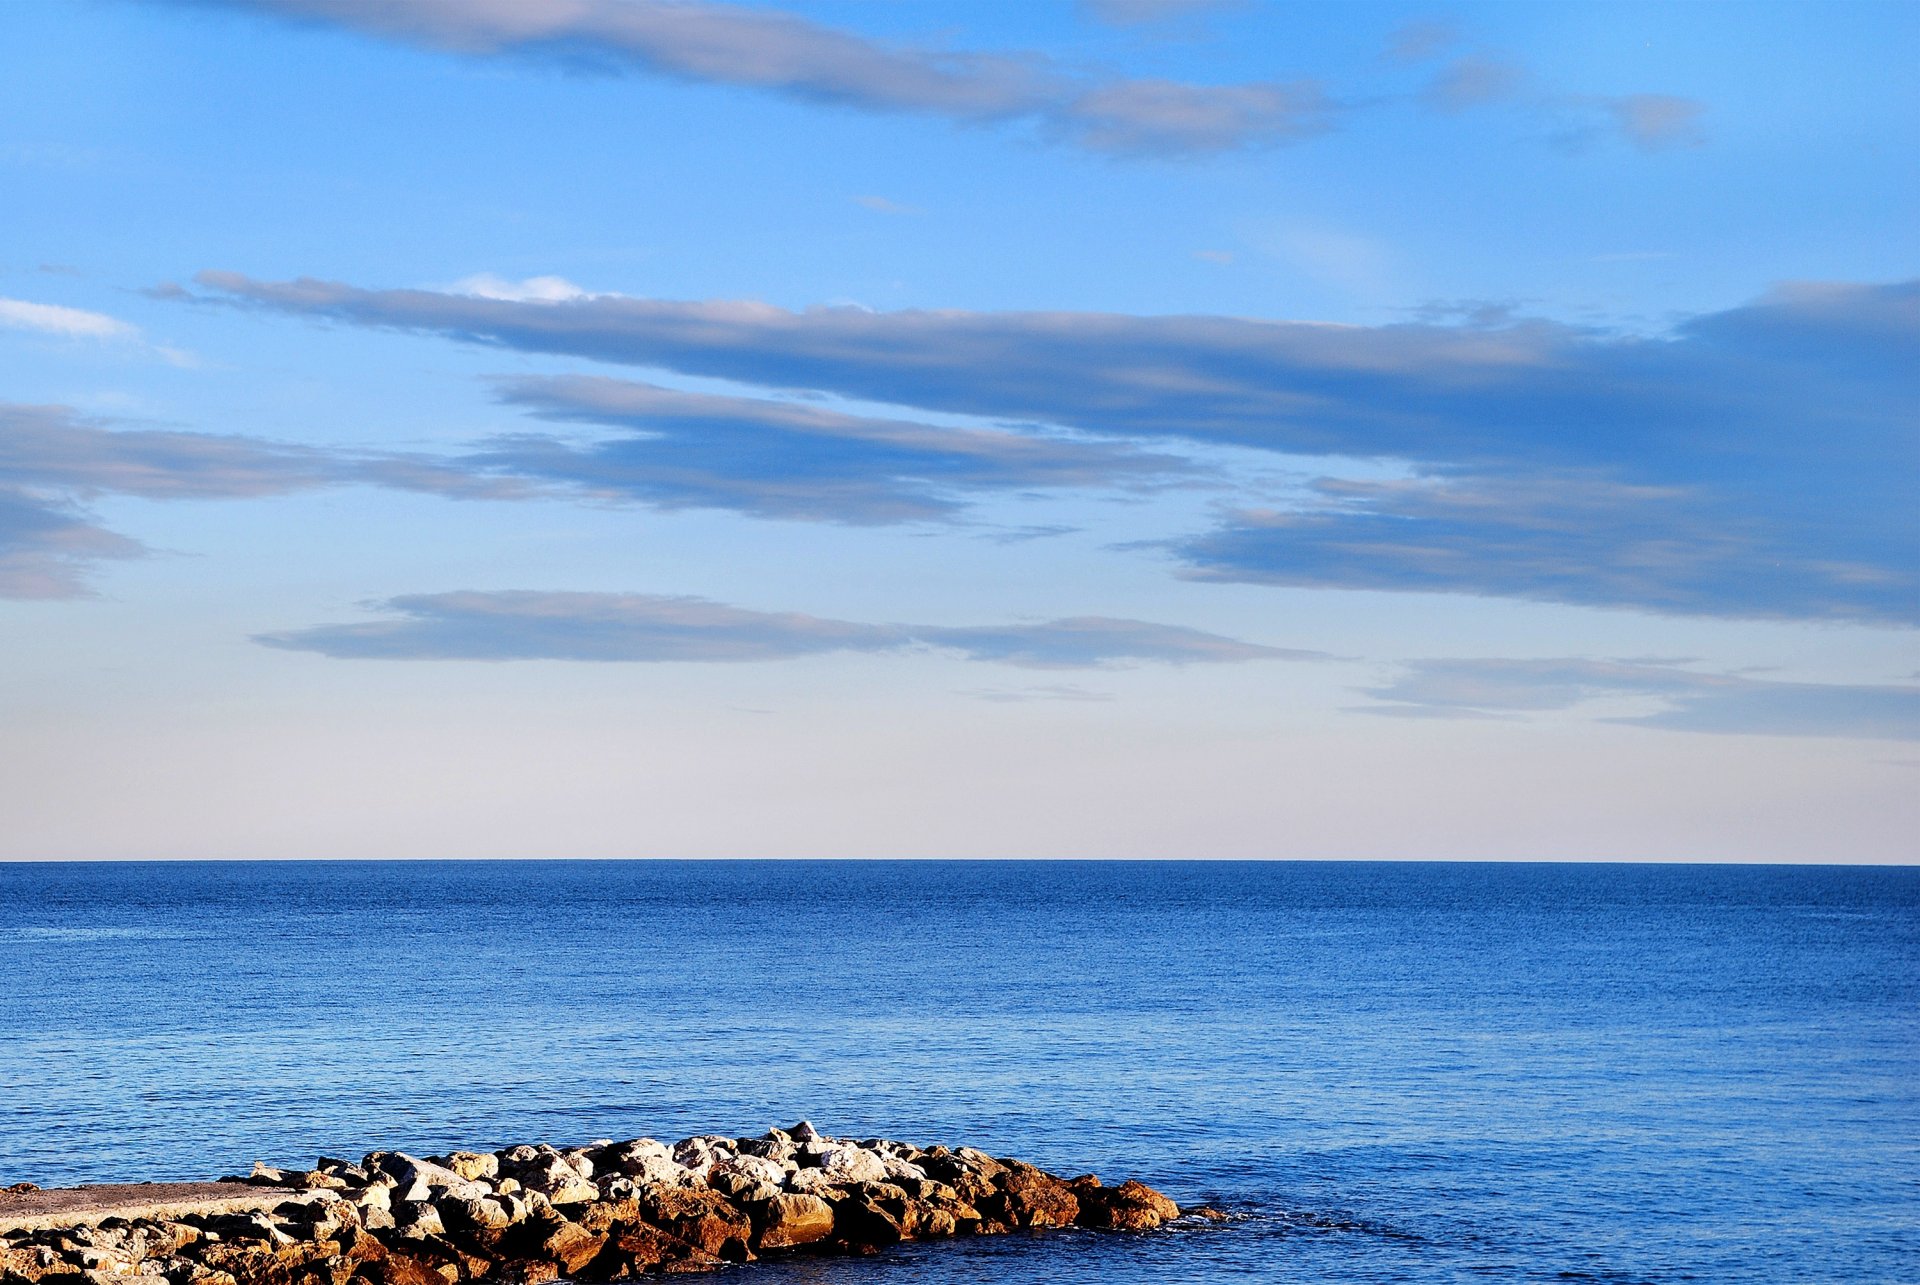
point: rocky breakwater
(604, 1212)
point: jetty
(527, 1215)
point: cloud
(51, 460)
(532, 290)
(785, 459)
(1751, 462)
(1172, 118)
(1655, 121)
(528, 625)
(1650, 122)
(779, 52)
(46, 547)
(1134, 13)
(68, 323)
(882, 205)
(1474, 81)
(1420, 40)
(1045, 692)
(1083, 642)
(1688, 700)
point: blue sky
(1123, 428)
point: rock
(1030, 1197)
(898, 1167)
(849, 1164)
(417, 1180)
(572, 1246)
(474, 1166)
(464, 1213)
(1132, 1206)
(376, 1195)
(702, 1217)
(792, 1219)
(418, 1217)
(815, 1182)
(648, 1249)
(747, 1178)
(643, 1160)
(558, 1178)
(866, 1224)
(1206, 1213)
(804, 1132)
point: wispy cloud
(53, 460)
(1686, 699)
(1655, 121)
(68, 323)
(530, 625)
(779, 52)
(1650, 122)
(46, 546)
(1044, 692)
(794, 460)
(1751, 462)
(1135, 13)
(885, 205)
(79, 324)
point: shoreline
(527, 1215)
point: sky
(1097, 429)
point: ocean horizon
(1382, 1071)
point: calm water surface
(1394, 1072)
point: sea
(1383, 1071)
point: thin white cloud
(639, 627)
(1685, 699)
(68, 323)
(885, 205)
(485, 285)
(1136, 13)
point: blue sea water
(1390, 1072)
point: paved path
(73, 1206)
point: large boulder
(702, 1217)
(1132, 1206)
(747, 1178)
(1030, 1197)
(417, 1180)
(562, 1179)
(851, 1164)
(792, 1219)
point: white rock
(852, 1164)
(897, 1168)
(810, 1181)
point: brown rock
(863, 1223)
(792, 1219)
(700, 1216)
(641, 1248)
(572, 1246)
(605, 1215)
(1132, 1206)
(1030, 1197)
(29, 1263)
